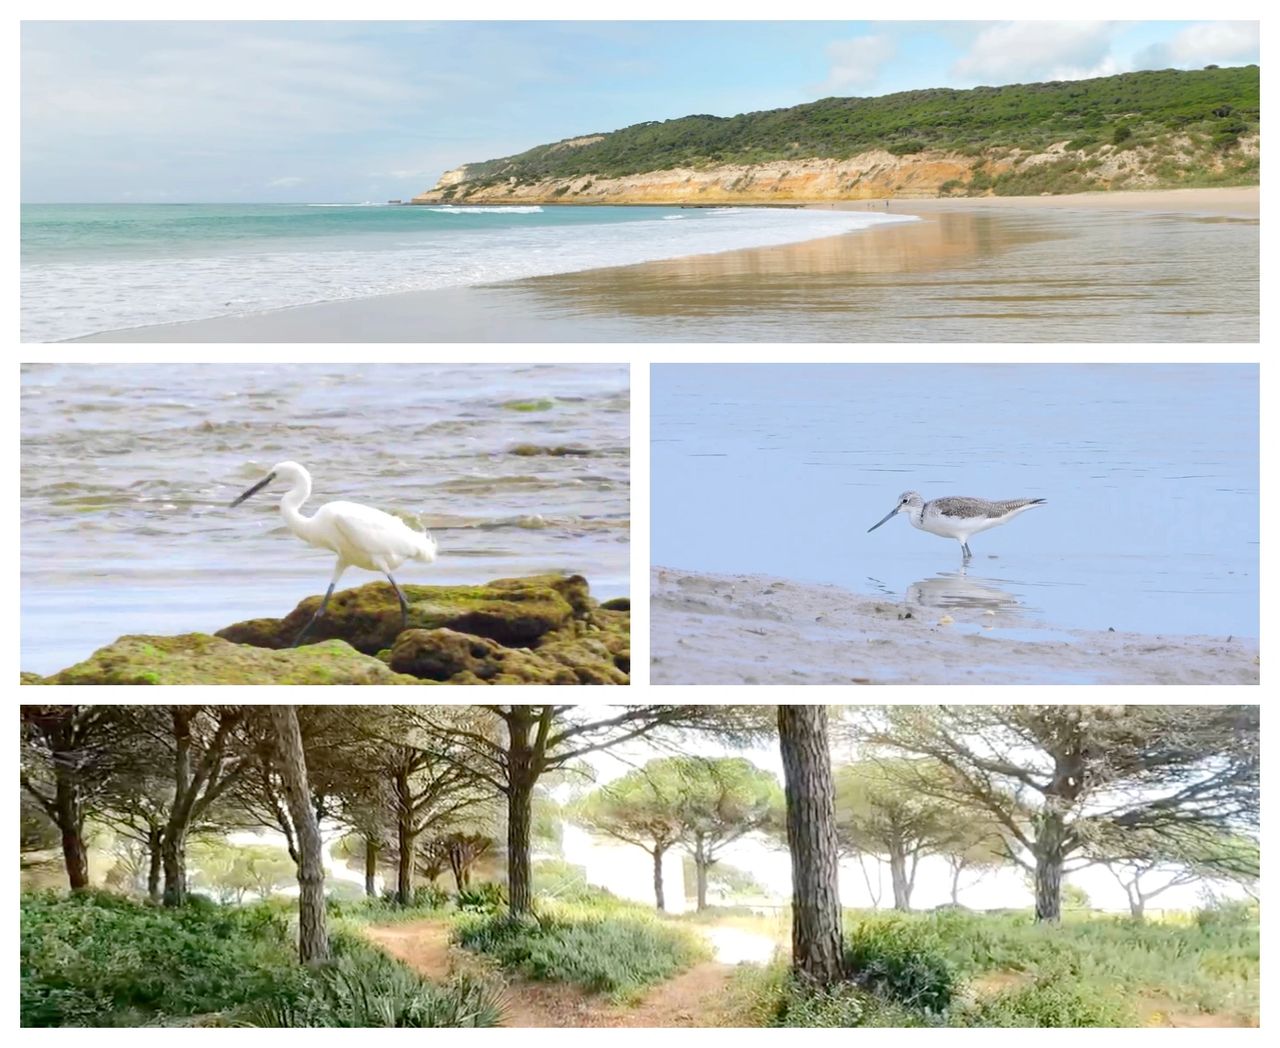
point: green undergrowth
(613, 948)
(97, 959)
(959, 968)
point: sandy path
(721, 629)
(690, 999)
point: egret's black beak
(255, 489)
(888, 516)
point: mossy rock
(197, 658)
(617, 604)
(447, 656)
(513, 612)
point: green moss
(196, 658)
(530, 405)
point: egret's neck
(291, 506)
(915, 514)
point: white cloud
(1206, 43)
(288, 182)
(1007, 52)
(856, 63)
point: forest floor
(692, 998)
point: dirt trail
(690, 999)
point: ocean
(128, 470)
(1151, 473)
(90, 268)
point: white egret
(362, 537)
(956, 517)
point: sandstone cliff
(876, 174)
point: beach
(1144, 266)
(751, 629)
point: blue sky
(349, 111)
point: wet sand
(1177, 265)
(750, 629)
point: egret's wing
(369, 533)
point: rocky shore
(543, 629)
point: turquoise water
(89, 268)
(1151, 474)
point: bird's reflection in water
(952, 590)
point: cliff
(1136, 130)
(874, 175)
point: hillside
(1146, 129)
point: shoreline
(484, 313)
(754, 629)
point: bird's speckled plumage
(956, 517)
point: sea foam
(65, 299)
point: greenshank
(957, 516)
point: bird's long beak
(255, 489)
(888, 516)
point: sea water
(89, 268)
(128, 471)
(1150, 473)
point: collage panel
(325, 524)
(824, 274)
(676, 866)
(1100, 524)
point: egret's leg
(338, 569)
(965, 551)
(404, 604)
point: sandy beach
(749, 629)
(1131, 266)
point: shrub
(1227, 914)
(618, 953)
(1052, 1001)
(365, 988)
(93, 959)
(483, 898)
(902, 960)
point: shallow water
(133, 265)
(1150, 472)
(127, 472)
(975, 275)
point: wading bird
(956, 517)
(361, 536)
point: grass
(958, 968)
(96, 959)
(605, 947)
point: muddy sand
(750, 629)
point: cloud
(1205, 43)
(288, 182)
(1007, 52)
(856, 63)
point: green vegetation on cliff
(1208, 109)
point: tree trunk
(901, 884)
(660, 900)
(1050, 834)
(701, 866)
(313, 934)
(817, 941)
(519, 826)
(457, 866)
(154, 867)
(74, 853)
(173, 859)
(406, 841)
(370, 867)
(955, 885)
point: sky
(350, 111)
